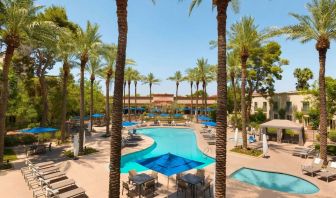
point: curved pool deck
(178, 141)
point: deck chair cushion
(72, 193)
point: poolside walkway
(91, 172)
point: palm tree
(197, 82)
(128, 79)
(177, 78)
(233, 63)
(109, 54)
(151, 80)
(65, 50)
(136, 78)
(191, 77)
(117, 108)
(18, 18)
(318, 26)
(95, 66)
(205, 74)
(244, 37)
(221, 6)
(87, 41)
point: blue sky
(163, 38)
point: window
(275, 106)
(289, 117)
(288, 106)
(275, 116)
(255, 106)
(305, 106)
(264, 106)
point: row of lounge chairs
(316, 168)
(209, 135)
(46, 180)
(304, 152)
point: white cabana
(281, 125)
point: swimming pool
(177, 141)
(275, 181)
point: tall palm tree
(87, 41)
(197, 82)
(151, 80)
(177, 78)
(233, 63)
(18, 25)
(205, 73)
(191, 77)
(129, 72)
(221, 6)
(136, 78)
(318, 26)
(244, 37)
(94, 67)
(65, 51)
(109, 53)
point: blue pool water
(275, 181)
(180, 142)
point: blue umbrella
(164, 115)
(98, 115)
(151, 115)
(128, 124)
(204, 118)
(178, 115)
(213, 124)
(169, 164)
(38, 130)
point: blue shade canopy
(204, 118)
(164, 115)
(151, 115)
(213, 124)
(128, 124)
(98, 115)
(169, 164)
(38, 130)
(178, 115)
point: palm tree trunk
(323, 106)
(44, 98)
(177, 85)
(196, 109)
(82, 110)
(203, 97)
(150, 97)
(135, 98)
(249, 102)
(107, 105)
(206, 99)
(114, 177)
(235, 105)
(243, 101)
(192, 97)
(124, 103)
(4, 98)
(220, 175)
(129, 101)
(64, 99)
(91, 103)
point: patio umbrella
(204, 118)
(164, 114)
(38, 130)
(151, 115)
(265, 145)
(129, 124)
(212, 124)
(236, 136)
(98, 115)
(178, 115)
(169, 164)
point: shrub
(331, 149)
(258, 117)
(11, 140)
(290, 132)
(28, 139)
(254, 125)
(282, 113)
(58, 135)
(44, 137)
(332, 135)
(249, 151)
(87, 151)
(317, 137)
(32, 125)
(239, 120)
(314, 116)
(272, 130)
(10, 155)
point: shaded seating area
(281, 126)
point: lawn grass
(249, 151)
(9, 154)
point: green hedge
(332, 135)
(331, 149)
(14, 140)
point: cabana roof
(281, 124)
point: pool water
(275, 181)
(181, 142)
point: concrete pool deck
(91, 172)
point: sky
(163, 38)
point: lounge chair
(304, 152)
(68, 194)
(183, 187)
(213, 142)
(315, 167)
(329, 172)
(129, 143)
(148, 189)
(131, 191)
(61, 184)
